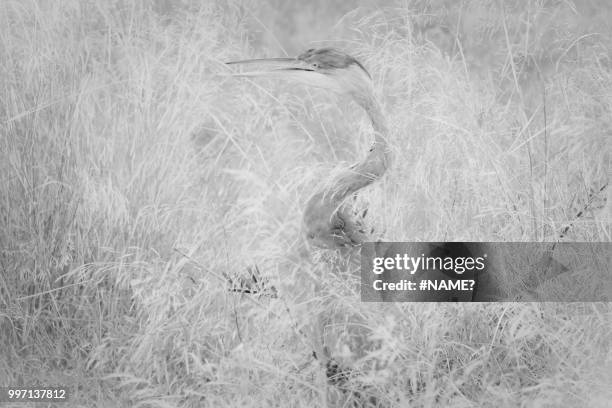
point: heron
(328, 220)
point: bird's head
(326, 68)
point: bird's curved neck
(374, 165)
(372, 107)
(325, 213)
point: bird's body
(328, 221)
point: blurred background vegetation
(135, 178)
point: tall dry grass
(135, 180)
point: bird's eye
(315, 65)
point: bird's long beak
(285, 68)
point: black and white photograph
(285, 203)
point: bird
(329, 222)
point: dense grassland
(136, 177)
